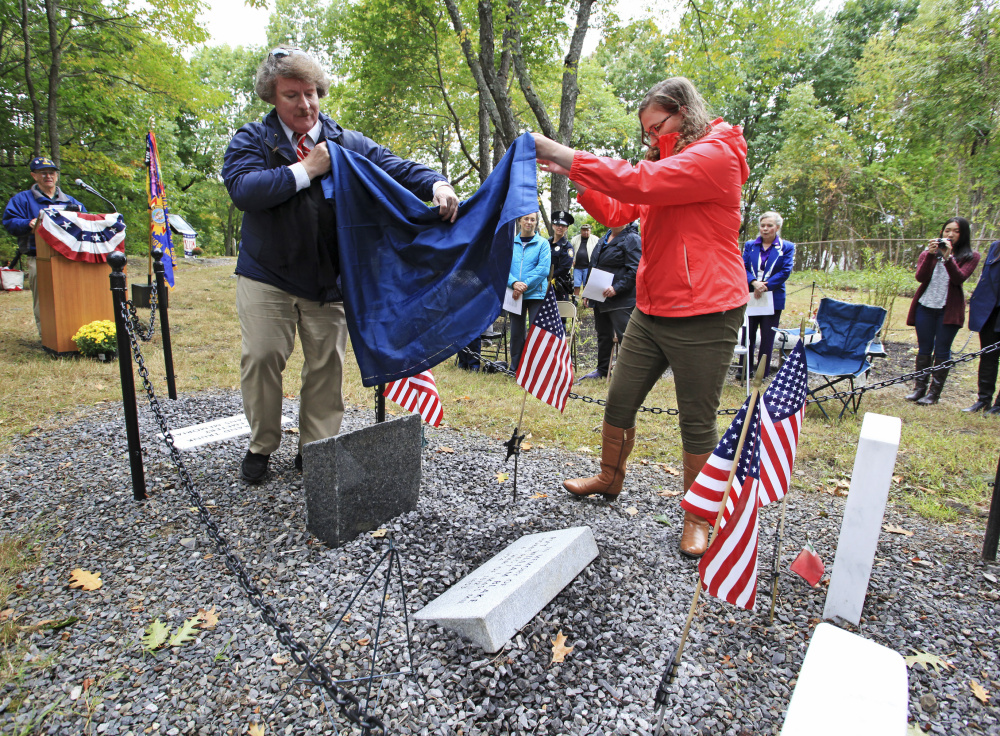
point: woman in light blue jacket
(528, 279)
(768, 261)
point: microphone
(84, 185)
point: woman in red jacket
(938, 307)
(690, 286)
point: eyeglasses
(281, 53)
(654, 130)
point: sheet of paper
(599, 281)
(511, 304)
(759, 307)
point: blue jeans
(933, 336)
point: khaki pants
(31, 271)
(269, 318)
(699, 349)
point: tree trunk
(36, 108)
(230, 240)
(55, 50)
(485, 161)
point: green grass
(942, 449)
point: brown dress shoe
(616, 444)
(694, 538)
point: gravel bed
(69, 483)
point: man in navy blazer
(288, 271)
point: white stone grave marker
(492, 603)
(215, 431)
(848, 686)
(863, 513)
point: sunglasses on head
(280, 53)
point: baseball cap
(42, 162)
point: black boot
(920, 385)
(938, 378)
(980, 405)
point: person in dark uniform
(561, 273)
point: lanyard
(762, 258)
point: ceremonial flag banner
(781, 412)
(81, 236)
(546, 370)
(728, 568)
(418, 394)
(159, 227)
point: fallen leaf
(464, 398)
(256, 729)
(6, 613)
(922, 563)
(668, 494)
(379, 533)
(279, 660)
(155, 636)
(541, 495)
(631, 511)
(292, 430)
(897, 479)
(185, 633)
(584, 449)
(979, 691)
(85, 580)
(346, 618)
(208, 618)
(928, 660)
(644, 462)
(502, 476)
(893, 529)
(662, 519)
(559, 648)
(365, 642)
(445, 449)
(670, 469)
(525, 446)
(726, 662)
(87, 682)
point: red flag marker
(808, 565)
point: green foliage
(155, 636)
(883, 281)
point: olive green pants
(698, 349)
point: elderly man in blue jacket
(21, 215)
(288, 273)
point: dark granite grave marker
(358, 480)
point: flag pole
(519, 437)
(660, 700)
(149, 177)
(780, 534)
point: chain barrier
(860, 391)
(135, 324)
(348, 703)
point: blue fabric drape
(416, 289)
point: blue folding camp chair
(849, 341)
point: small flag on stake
(418, 394)
(545, 370)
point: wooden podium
(70, 295)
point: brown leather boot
(694, 539)
(616, 444)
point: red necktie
(302, 150)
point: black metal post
(118, 297)
(993, 524)
(162, 306)
(380, 403)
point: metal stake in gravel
(392, 555)
(992, 535)
(663, 691)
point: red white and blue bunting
(81, 236)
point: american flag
(728, 568)
(418, 394)
(546, 370)
(782, 408)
